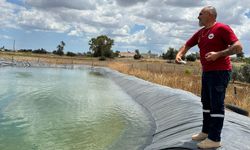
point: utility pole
(14, 45)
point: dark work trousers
(214, 84)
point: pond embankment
(178, 114)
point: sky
(153, 25)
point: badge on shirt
(210, 36)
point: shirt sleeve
(228, 35)
(193, 40)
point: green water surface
(61, 109)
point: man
(216, 42)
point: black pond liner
(237, 109)
(178, 115)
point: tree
(244, 73)
(116, 54)
(170, 54)
(197, 55)
(247, 60)
(240, 55)
(60, 49)
(137, 54)
(191, 57)
(40, 51)
(88, 54)
(71, 54)
(101, 46)
(2, 48)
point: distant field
(186, 77)
(50, 58)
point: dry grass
(51, 59)
(242, 98)
(172, 79)
(183, 78)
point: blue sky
(146, 25)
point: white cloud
(7, 14)
(129, 2)
(243, 31)
(83, 29)
(72, 4)
(184, 3)
(40, 20)
(138, 37)
(5, 37)
(122, 31)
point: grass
(51, 59)
(186, 77)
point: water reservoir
(68, 109)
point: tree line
(101, 47)
(59, 51)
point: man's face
(203, 17)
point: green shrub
(244, 73)
(241, 73)
(102, 58)
(188, 72)
(170, 54)
(191, 57)
(137, 54)
(71, 54)
(40, 51)
(247, 60)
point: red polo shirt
(216, 38)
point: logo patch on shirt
(210, 36)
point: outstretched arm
(236, 48)
(183, 50)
